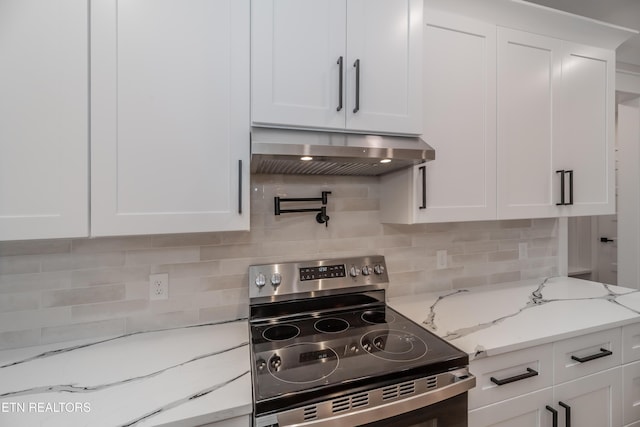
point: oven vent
(397, 390)
(350, 402)
(310, 413)
(432, 382)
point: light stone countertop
(496, 319)
(175, 377)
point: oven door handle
(382, 411)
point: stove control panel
(276, 280)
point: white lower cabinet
(592, 401)
(524, 411)
(577, 381)
(631, 375)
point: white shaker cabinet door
(587, 106)
(528, 85)
(593, 401)
(459, 120)
(384, 66)
(298, 51)
(44, 137)
(170, 116)
(528, 410)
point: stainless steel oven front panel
(375, 405)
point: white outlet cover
(441, 259)
(523, 250)
(158, 286)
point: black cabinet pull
(605, 240)
(340, 84)
(561, 172)
(357, 65)
(603, 353)
(554, 413)
(570, 186)
(240, 187)
(567, 414)
(530, 373)
(423, 169)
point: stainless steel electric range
(327, 351)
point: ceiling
(625, 13)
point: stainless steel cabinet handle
(340, 63)
(357, 65)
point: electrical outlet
(158, 286)
(523, 252)
(441, 259)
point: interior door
(607, 241)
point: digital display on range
(314, 356)
(323, 272)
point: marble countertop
(486, 321)
(174, 377)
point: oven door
(448, 413)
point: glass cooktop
(293, 360)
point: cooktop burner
(303, 363)
(331, 325)
(389, 344)
(280, 332)
(377, 316)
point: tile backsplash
(58, 290)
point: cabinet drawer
(519, 372)
(587, 354)
(631, 393)
(631, 343)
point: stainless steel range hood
(281, 151)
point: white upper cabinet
(170, 116)
(587, 128)
(555, 127)
(528, 89)
(337, 64)
(44, 137)
(296, 48)
(459, 122)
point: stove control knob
(354, 271)
(276, 279)
(260, 280)
(260, 364)
(366, 270)
(275, 362)
(378, 269)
